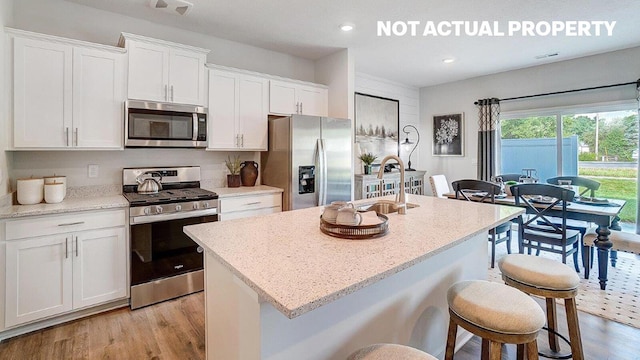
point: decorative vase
(367, 169)
(249, 173)
(233, 181)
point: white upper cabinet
(67, 94)
(296, 98)
(98, 97)
(42, 102)
(238, 111)
(165, 71)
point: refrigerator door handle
(323, 169)
(318, 162)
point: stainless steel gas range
(165, 263)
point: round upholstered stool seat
(495, 307)
(539, 272)
(497, 313)
(388, 352)
(551, 280)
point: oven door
(165, 263)
(161, 249)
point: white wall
(337, 72)
(6, 15)
(409, 111)
(604, 69)
(66, 19)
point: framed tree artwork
(448, 135)
(376, 125)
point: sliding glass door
(601, 145)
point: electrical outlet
(92, 171)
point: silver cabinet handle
(66, 135)
(171, 92)
(237, 140)
(253, 203)
(73, 223)
(242, 139)
(297, 108)
(166, 92)
(300, 108)
(76, 246)
(66, 248)
(76, 135)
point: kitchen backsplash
(74, 165)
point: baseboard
(23, 329)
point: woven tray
(359, 232)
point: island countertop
(291, 264)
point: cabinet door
(312, 100)
(38, 278)
(99, 266)
(186, 77)
(148, 71)
(282, 98)
(223, 110)
(98, 98)
(252, 112)
(42, 94)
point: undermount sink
(385, 206)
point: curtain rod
(637, 83)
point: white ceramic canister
(30, 191)
(57, 180)
(53, 193)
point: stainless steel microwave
(153, 124)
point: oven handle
(134, 220)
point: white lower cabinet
(77, 267)
(244, 206)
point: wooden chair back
(465, 188)
(589, 185)
(526, 193)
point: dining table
(604, 214)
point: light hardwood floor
(175, 330)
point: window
(601, 144)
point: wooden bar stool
(497, 313)
(388, 352)
(551, 280)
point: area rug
(620, 302)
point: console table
(369, 186)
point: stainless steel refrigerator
(310, 157)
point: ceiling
(310, 29)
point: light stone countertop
(292, 265)
(244, 190)
(66, 206)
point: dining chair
(485, 191)
(545, 226)
(510, 177)
(589, 185)
(439, 185)
(585, 185)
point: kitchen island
(276, 287)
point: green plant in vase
(233, 179)
(507, 187)
(367, 159)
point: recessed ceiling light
(347, 27)
(448, 60)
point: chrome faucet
(400, 196)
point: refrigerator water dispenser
(306, 179)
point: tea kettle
(149, 185)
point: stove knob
(196, 206)
(147, 211)
(158, 209)
(205, 204)
(178, 207)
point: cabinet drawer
(57, 224)
(243, 203)
(249, 213)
